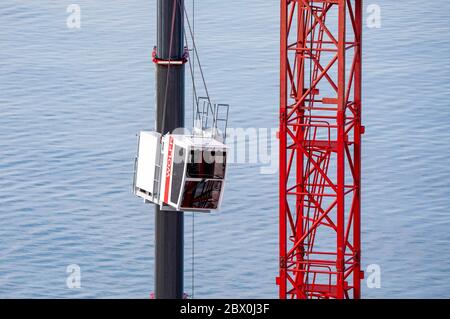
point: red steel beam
(320, 149)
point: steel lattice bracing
(320, 149)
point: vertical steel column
(341, 104)
(300, 134)
(281, 280)
(357, 148)
(169, 225)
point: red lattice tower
(320, 149)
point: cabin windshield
(208, 164)
(201, 194)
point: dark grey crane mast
(170, 83)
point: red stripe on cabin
(168, 170)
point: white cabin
(180, 172)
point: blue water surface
(71, 102)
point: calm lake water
(71, 102)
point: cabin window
(208, 164)
(201, 194)
(177, 173)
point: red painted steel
(320, 149)
(157, 60)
